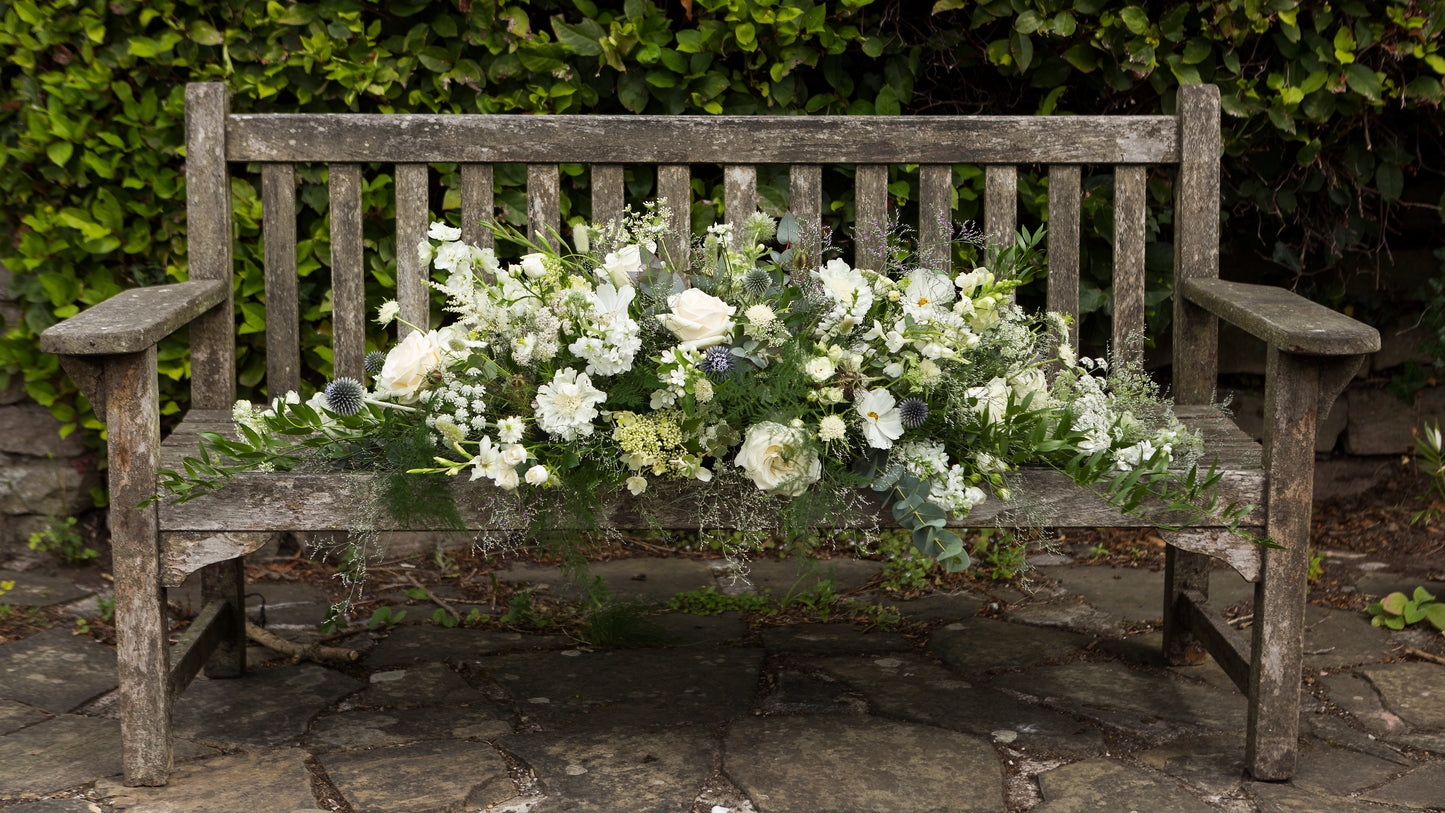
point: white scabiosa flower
(387, 312)
(832, 428)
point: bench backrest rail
(1188, 140)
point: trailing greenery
(1397, 610)
(1332, 115)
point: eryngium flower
(913, 412)
(717, 360)
(374, 362)
(344, 396)
(757, 281)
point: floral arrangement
(779, 380)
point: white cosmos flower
(567, 405)
(928, 288)
(881, 422)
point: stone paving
(1013, 702)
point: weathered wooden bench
(110, 350)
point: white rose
(700, 320)
(514, 453)
(507, 479)
(819, 368)
(778, 461)
(537, 475)
(407, 365)
(990, 400)
(622, 266)
(534, 266)
(1032, 381)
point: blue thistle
(757, 281)
(375, 360)
(344, 396)
(717, 360)
(913, 412)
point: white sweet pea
(881, 422)
(699, 319)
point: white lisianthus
(387, 312)
(441, 231)
(407, 365)
(622, 266)
(832, 428)
(881, 422)
(636, 484)
(424, 251)
(509, 430)
(534, 265)
(537, 475)
(566, 406)
(778, 460)
(699, 319)
(819, 368)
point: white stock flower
(881, 422)
(441, 231)
(699, 319)
(407, 365)
(566, 406)
(777, 459)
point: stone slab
(619, 768)
(794, 689)
(908, 687)
(56, 671)
(1335, 639)
(282, 605)
(1332, 770)
(1100, 784)
(267, 707)
(65, 752)
(978, 645)
(1414, 690)
(1068, 613)
(36, 590)
(274, 780)
(428, 777)
(1420, 789)
(831, 639)
(1272, 797)
(30, 429)
(1143, 703)
(658, 687)
(823, 764)
(416, 644)
(702, 630)
(1355, 695)
(15, 716)
(1214, 763)
(1379, 423)
(355, 730)
(941, 606)
(58, 806)
(426, 684)
(652, 578)
(782, 578)
(1381, 583)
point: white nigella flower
(567, 405)
(441, 231)
(881, 422)
(509, 430)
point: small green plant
(1427, 448)
(1396, 610)
(878, 615)
(1000, 554)
(708, 601)
(1317, 567)
(622, 623)
(385, 618)
(475, 617)
(60, 537)
(1098, 551)
(904, 568)
(82, 627)
(442, 618)
(106, 606)
(521, 612)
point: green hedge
(1333, 117)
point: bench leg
(1292, 401)
(226, 581)
(1183, 570)
(141, 625)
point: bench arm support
(1283, 319)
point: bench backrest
(216, 139)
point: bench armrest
(132, 321)
(1283, 318)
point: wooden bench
(110, 350)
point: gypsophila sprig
(578, 374)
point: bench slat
(544, 206)
(935, 216)
(393, 138)
(1000, 206)
(805, 182)
(1196, 242)
(283, 342)
(740, 196)
(870, 216)
(1063, 245)
(607, 198)
(208, 243)
(348, 283)
(412, 214)
(1128, 290)
(674, 182)
(478, 200)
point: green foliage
(1331, 110)
(1428, 449)
(1000, 554)
(708, 601)
(623, 623)
(60, 537)
(1397, 610)
(385, 617)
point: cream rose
(700, 320)
(407, 365)
(622, 266)
(777, 460)
(534, 265)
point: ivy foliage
(1332, 116)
